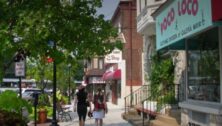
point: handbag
(90, 115)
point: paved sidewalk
(113, 118)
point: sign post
(20, 72)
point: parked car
(31, 90)
(27, 93)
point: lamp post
(69, 66)
(54, 121)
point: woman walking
(82, 104)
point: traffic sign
(20, 69)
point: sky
(108, 8)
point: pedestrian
(100, 107)
(82, 104)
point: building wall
(126, 16)
(146, 27)
(124, 19)
(133, 46)
(199, 119)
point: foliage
(11, 119)
(9, 101)
(10, 109)
(49, 110)
(39, 70)
(161, 77)
(42, 73)
(73, 26)
(61, 98)
(43, 101)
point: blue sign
(182, 18)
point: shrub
(11, 107)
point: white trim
(205, 108)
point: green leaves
(162, 75)
(74, 26)
(10, 102)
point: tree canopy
(72, 25)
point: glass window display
(204, 66)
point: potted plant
(43, 102)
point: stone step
(176, 113)
(133, 111)
(139, 122)
(167, 119)
(160, 123)
(128, 116)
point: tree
(40, 70)
(73, 25)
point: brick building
(130, 64)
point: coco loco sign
(180, 19)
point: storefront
(195, 26)
(95, 82)
(112, 76)
(112, 79)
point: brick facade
(132, 51)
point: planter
(42, 116)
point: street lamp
(54, 121)
(69, 66)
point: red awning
(115, 75)
(216, 10)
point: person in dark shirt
(82, 104)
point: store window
(100, 63)
(204, 66)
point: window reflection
(204, 67)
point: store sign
(181, 19)
(96, 80)
(20, 69)
(114, 57)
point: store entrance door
(114, 93)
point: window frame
(220, 62)
(102, 61)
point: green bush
(9, 101)
(11, 107)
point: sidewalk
(112, 118)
